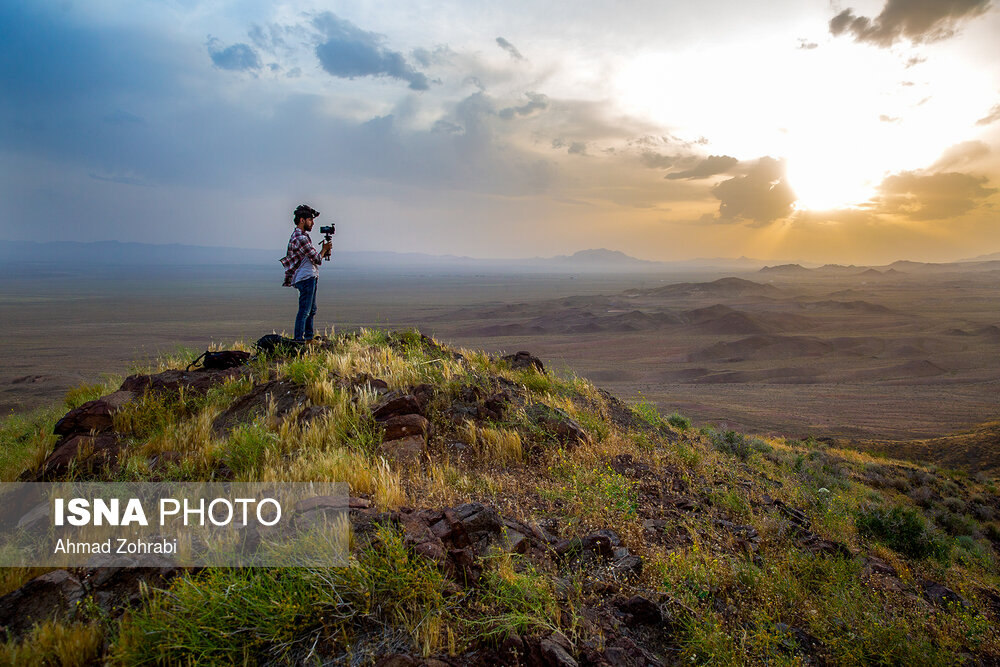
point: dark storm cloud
(759, 197)
(710, 166)
(992, 117)
(509, 48)
(238, 57)
(350, 52)
(922, 196)
(916, 20)
(536, 102)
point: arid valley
(879, 356)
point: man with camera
(301, 263)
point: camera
(328, 231)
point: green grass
(903, 529)
(255, 615)
(24, 439)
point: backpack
(276, 344)
(221, 360)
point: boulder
(558, 423)
(93, 416)
(405, 451)
(941, 595)
(523, 360)
(404, 426)
(115, 589)
(170, 382)
(51, 596)
(285, 394)
(395, 403)
(639, 609)
(89, 451)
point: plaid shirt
(299, 247)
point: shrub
(679, 421)
(738, 444)
(902, 529)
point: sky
(850, 131)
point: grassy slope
(728, 603)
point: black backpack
(221, 360)
(276, 344)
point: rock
(555, 655)
(515, 542)
(815, 544)
(745, 536)
(623, 652)
(93, 416)
(627, 568)
(941, 595)
(51, 596)
(601, 545)
(366, 381)
(796, 516)
(640, 610)
(89, 453)
(524, 360)
(558, 423)
(878, 566)
(541, 534)
(406, 451)
(423, 393)
(311, 414)
(395, 403)
(404, 426)
(115, 589)
(285, 394)
(169, 382)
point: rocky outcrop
(285, 395)
(523, 360)
(553, 420)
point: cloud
(806, 45)
(577, 148)
(762, 195)
(915, 60)
(916, 20)
(961, 155)
(509, 48)
(888, 119)
(536, 102)
(238, 57)
(655, 160)
(992, 117)
(925, 196)
(710, 166)
(350, 52)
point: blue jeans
(307, 309)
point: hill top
(505, 515)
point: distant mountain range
(115, 253)
(598, 260)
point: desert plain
(889, 358)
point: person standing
(301, 263)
